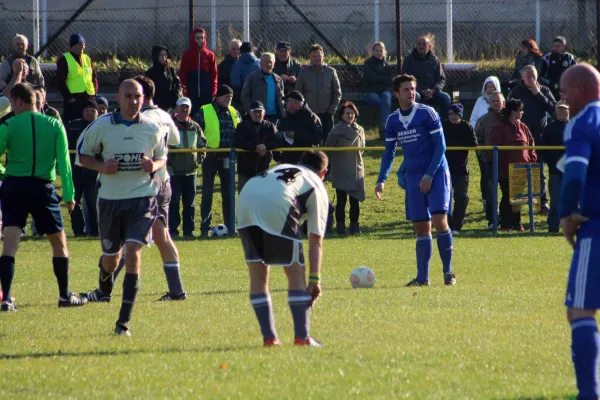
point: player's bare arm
(315, 258)
(108, 167)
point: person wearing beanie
(198, 71)
(76, 78)
(458, 133)
(218, 121)
(243, 67)
(102, 105)
(166, 82)
(84, 180)
(555, 63)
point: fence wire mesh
(484, 32)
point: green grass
(499, 334)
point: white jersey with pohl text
(164, 120)
(279, 200)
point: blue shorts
(22, 196)
(420, 206)
(583, 288)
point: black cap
(283, 45)
(224, 90)
(257, 105)
(246, 47)
(295, 95)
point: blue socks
(424, 251)
(261, 302)
(445, 243)
(299, 302)
(585, 344)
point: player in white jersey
(270, 212)
(133, 149)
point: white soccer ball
(219, 230)
(362, 277)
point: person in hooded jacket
(198, 71)
(482, 105)
(377, 84)
(166, 82)
(243, 67)
(427, 68)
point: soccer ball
(362, 277)
(219, 230)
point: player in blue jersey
(424, 174)
(580, 216)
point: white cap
(4, 106)
(184, 101)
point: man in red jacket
(198, 71)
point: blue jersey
(419, 132)
(581, 183)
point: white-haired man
(34, 72)
(224, 67)
(267, 87)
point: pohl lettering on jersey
(129, 161)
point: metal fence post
(231, 223)
(495, 188)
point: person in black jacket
(555, 63)
(166, 81)
(459, 133)
(537, 102)
(377, 84)
(258, 136)
(84, 179)
(428, 70)
(224, 67)
(286, 66)
(300, 128)
(553, 136)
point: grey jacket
(34, 77)
(255, 89)
(321, 88)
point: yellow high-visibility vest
(79, 77)
(212, 129)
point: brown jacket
(347, 167)
(320, 87)
(255, 89)
(483, 131)
(509, 134)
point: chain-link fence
(484, 33)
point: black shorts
(163, 198)
(21, 196)
(128, 220)
(260, 246)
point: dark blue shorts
(583, 288)
(420, 206)
(21, 196)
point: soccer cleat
(172, 297)
(95, 296)
(8, 306)
(449, 279)
(121, 330)
(271, 343)
(416, 282)
(545, 209)
(72, 301)
(307, 342)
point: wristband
(314, 278)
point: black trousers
(327, 123)
(340, 210)
(85, 189)
(508, 218)
(183, 189)
(460, 189)
(210, 168)
(485, 186)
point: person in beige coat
(347, 167)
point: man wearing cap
(320, 85)
(458, 132)
(299, 128)
(266, 87)
(243, 67)
(218, 120)
(183, 168)
(34, 75)
(555, 63)
(102, 105)
(75, 78)
(84, 179)
(225, 66)
(258, 136)
(286, 66)
(553, 136)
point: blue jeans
(381, 100)
(183, 189)
(554, 184)
(440, 99)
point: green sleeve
(3, 138)
(64, 164)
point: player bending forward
(580, 215)
(418, 130)
(270, 213)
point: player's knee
(440, 222)
(422, 228)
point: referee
(34, 143)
